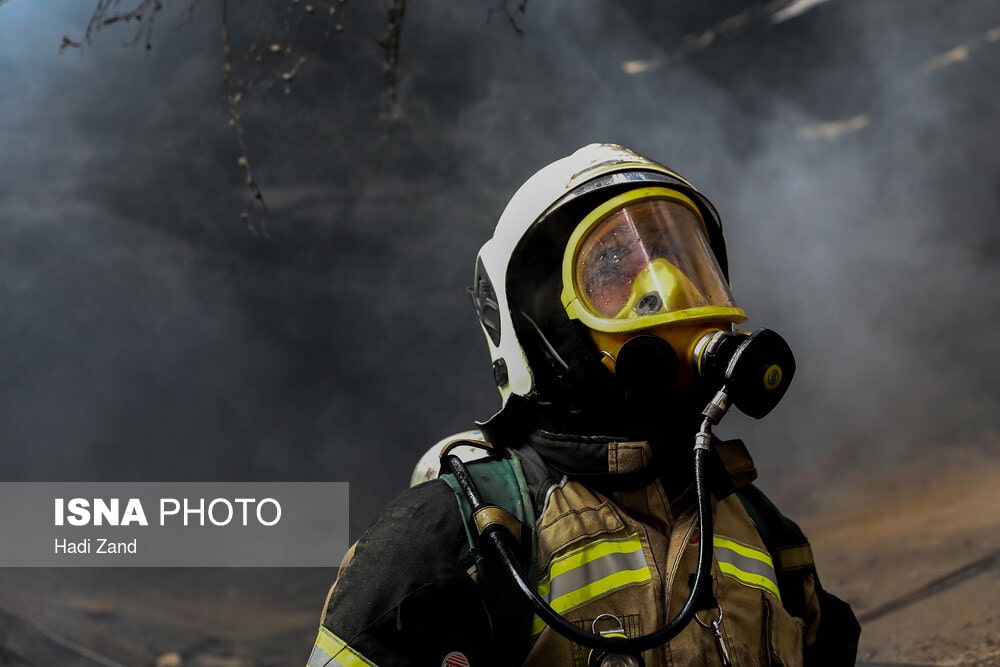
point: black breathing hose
(499, 537)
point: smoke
(883, 233)
(149, 335)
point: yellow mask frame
(673, 280)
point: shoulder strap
(502, 484)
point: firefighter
(605, 302)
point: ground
(913, 545)
(915, 548)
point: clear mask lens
(646, 258)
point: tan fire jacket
(408, 594)
(628, 555)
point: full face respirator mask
(639, 273)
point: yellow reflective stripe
(332, 651)
(750, 579)
(592, 571)
(537, 626)
(600, 587)
(747, 565)
(588, 553)
(743, 550)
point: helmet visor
(641, 260)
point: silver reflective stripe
(747, 565)
(591, 572)
(332, 651)
(594, 571)
(320, 658)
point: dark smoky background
(148, 333)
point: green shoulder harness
(501, 482)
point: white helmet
(537, 348)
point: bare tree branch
(68, 43)
(233, 97)
(511, 14)
(390, 45)
(142, 13)
(278, 50)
